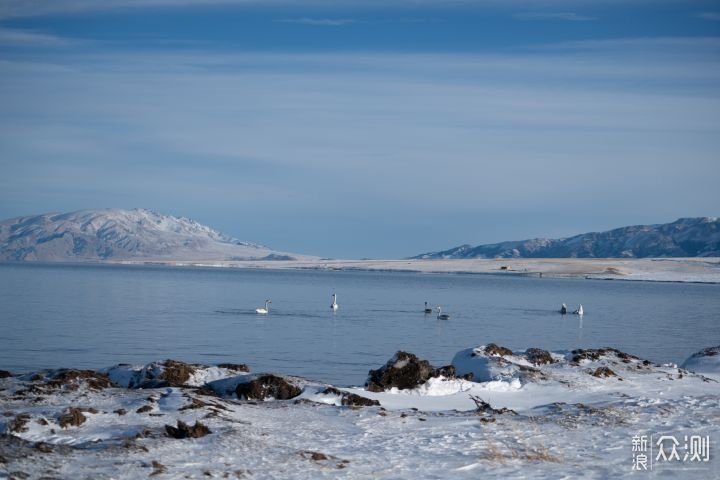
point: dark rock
(267, 386)
(538, 356)
(603, 372)
(237, 367)
(144, 408)
(194, 403)
(158, 468)
(316, 456)
(183, 430)
(447, 371)
(17, 425)
(5, 374)
(492, 349)
(351, 399)
(593, 354)
(403, 371)
(120, 411)
(44, 447)
(176, 373)
(73, 417)
(72, 378)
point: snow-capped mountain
(115, 234)
(686, 237)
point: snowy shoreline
(684, 270)
(530, 414)
(671, 270)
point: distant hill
(115, 234)
(686, 237)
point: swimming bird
(427, 309)
(263, 311)
(334, 305)
(442, 316)
(563, 309)
(579, 310)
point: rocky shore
(494, 411)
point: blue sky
(364, 129)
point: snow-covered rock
(404, 371)
(170, 373)
(704, 361)
(491, 362)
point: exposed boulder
(169, 373)
(351, 399)
(603, 372)
(5, 374)
(235, 367)
(73, 417)
(447, 371)
(538, 356)
(72, 379)
(172, 373)
(18, 424)
(183, 430)
(594, 354)
(404, 371)
(266, 387)
(176, 373)
(496, 350)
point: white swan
(334, 305)
(263, 311)
(442, 316)
(427, 309)
(563, 309)
(579, 310)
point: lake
(94, 316)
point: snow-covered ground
(573, 414)
(705, 270)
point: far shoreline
(702, 270)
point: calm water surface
(97, 316)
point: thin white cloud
(714, 16)
(321, 22)
(15, 37)
(566, 16)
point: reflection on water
(95, 316)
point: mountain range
(116, 234)
(685, 237)
(141, 234)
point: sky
(364, 129)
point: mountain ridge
(120, 234)
(685, 237)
